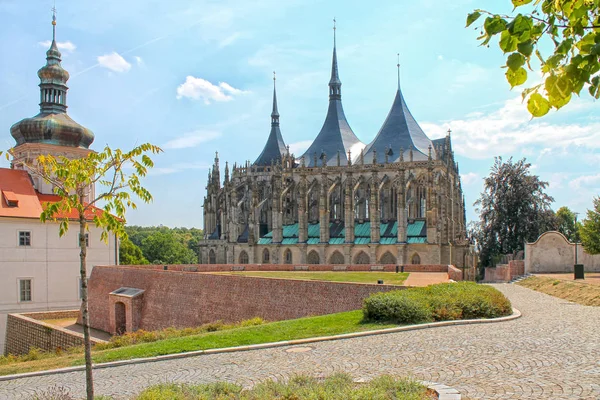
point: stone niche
(125, 310)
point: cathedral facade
(397, 200)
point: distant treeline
(160, 245)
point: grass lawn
(326, 325)
(582, 293)
(389, 278)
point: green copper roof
(416, 233)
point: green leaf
(521, 27)
(494, 25)
(474, 16)
(537, 105)
(525, 48)
(515, 61)
(558, 87)
(516, 78)
(518, 3)
(508, 43)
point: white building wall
(52, 262)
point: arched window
(287, 256)
(362, 258)
(388, 258)
(266, 256)
(243, 257)
(415, 259)
(313, 258)
(212, 257)
(336, 258)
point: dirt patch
(575, 291)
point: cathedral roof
(275, 147)
(52, 125)
(399, 131)
(335, 135)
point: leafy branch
(573, 26)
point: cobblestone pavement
(551, 352)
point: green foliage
(565, 222)
(570, 27)
(299, 387)
(590, 229)
(107, 170)
(130, 254)
(513, 208)
(447, 301)
(188, 237)
(165, 248)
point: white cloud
(139, 60)
(440, 57)
(198, 88)
(67, 46)
(299, 148)
(585, 181)
(191, 139)
(229, 40)
(470, 178)
(115, 62)
(510, 129)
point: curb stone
(516, 314)
(444, 392)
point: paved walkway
(552, 352)
(426, 278)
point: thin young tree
(116, 175)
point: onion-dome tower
(52, 125)
(275, 148)
(400, 131)
(335, 136)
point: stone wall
(552, 252)
(26, 331)
(185, 299)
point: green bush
(443, 302)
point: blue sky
(195, 77)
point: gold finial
(54, 21)
(449, 131)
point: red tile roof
(16, 186)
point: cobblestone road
(552, 352)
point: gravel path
(551, 352)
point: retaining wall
(185, 299)
(26, 331)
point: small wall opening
(120, 318)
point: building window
(266, 256)
(212, 257)
(243, 257)
(24, 290)
(24, 238)
(287, 255)
(416, 259)
(87, 240)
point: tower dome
(52, 125)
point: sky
(195, 77)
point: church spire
(275, 112)
(335, 85)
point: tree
(566, 224)
(571, 28)
(130, 254)
(71, 180)
(164, 247)
(590, 229)
(513, 209)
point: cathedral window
(212, 257)
(266, 256)
(287, 256)
(362, 258)
(243, 257)
(336, 258)
(313, 258)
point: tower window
(25, 290)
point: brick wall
(293, 267)
(454, 273)
(25, 331)
(185, 299)
(505, 272)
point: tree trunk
(89, 381)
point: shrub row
(442, 302)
